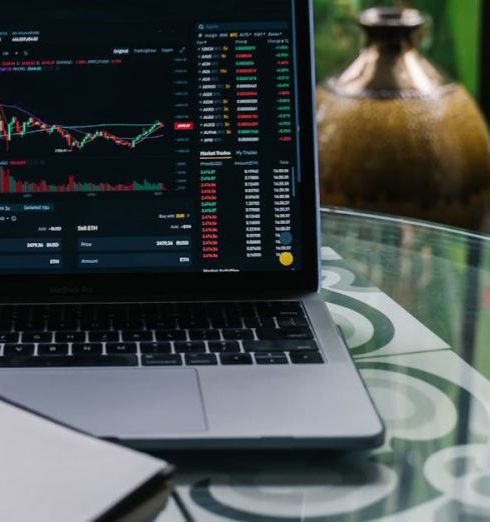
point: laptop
(159, 227)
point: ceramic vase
(397, 136)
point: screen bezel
(172, 285)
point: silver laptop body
(218, 54)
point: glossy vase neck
(390, 65)
(391, 27)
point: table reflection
(412, 301)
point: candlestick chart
(17, 125)
(76, 137)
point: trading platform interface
(149, 138)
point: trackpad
(127, 403)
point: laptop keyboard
(179, 334)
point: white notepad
(51, 473)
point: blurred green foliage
(451, 35)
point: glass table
(413, 300)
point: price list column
(183, 124)
(283, 173)
(248, 128)
(214, 127)
(246, 122)
(283, 86)
(247, 117)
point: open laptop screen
(149, 137)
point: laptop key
(285, 322)
(18, 349)
(271, 358)
(9, 337)
(239, 334)
(306, 358)
(39, 337)
(87, 349)
(287, 307)
(291, 333)
(161, 324)
(137, 336)
(121, 348)
(70, 337)
(224, 347)
(161, 360)
(128, 324)
(95, 324)
(149, 348)
(232, 359)
(227, 323)
(103, 337)
(193, 323)
(29, 326)
(63, 325)
(204, 335)
(62, 361)
(280, 346)
(207, 359)
(259, 322)
(52, 349)
(170, 335)
(190, 347)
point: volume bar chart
(11, 185)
